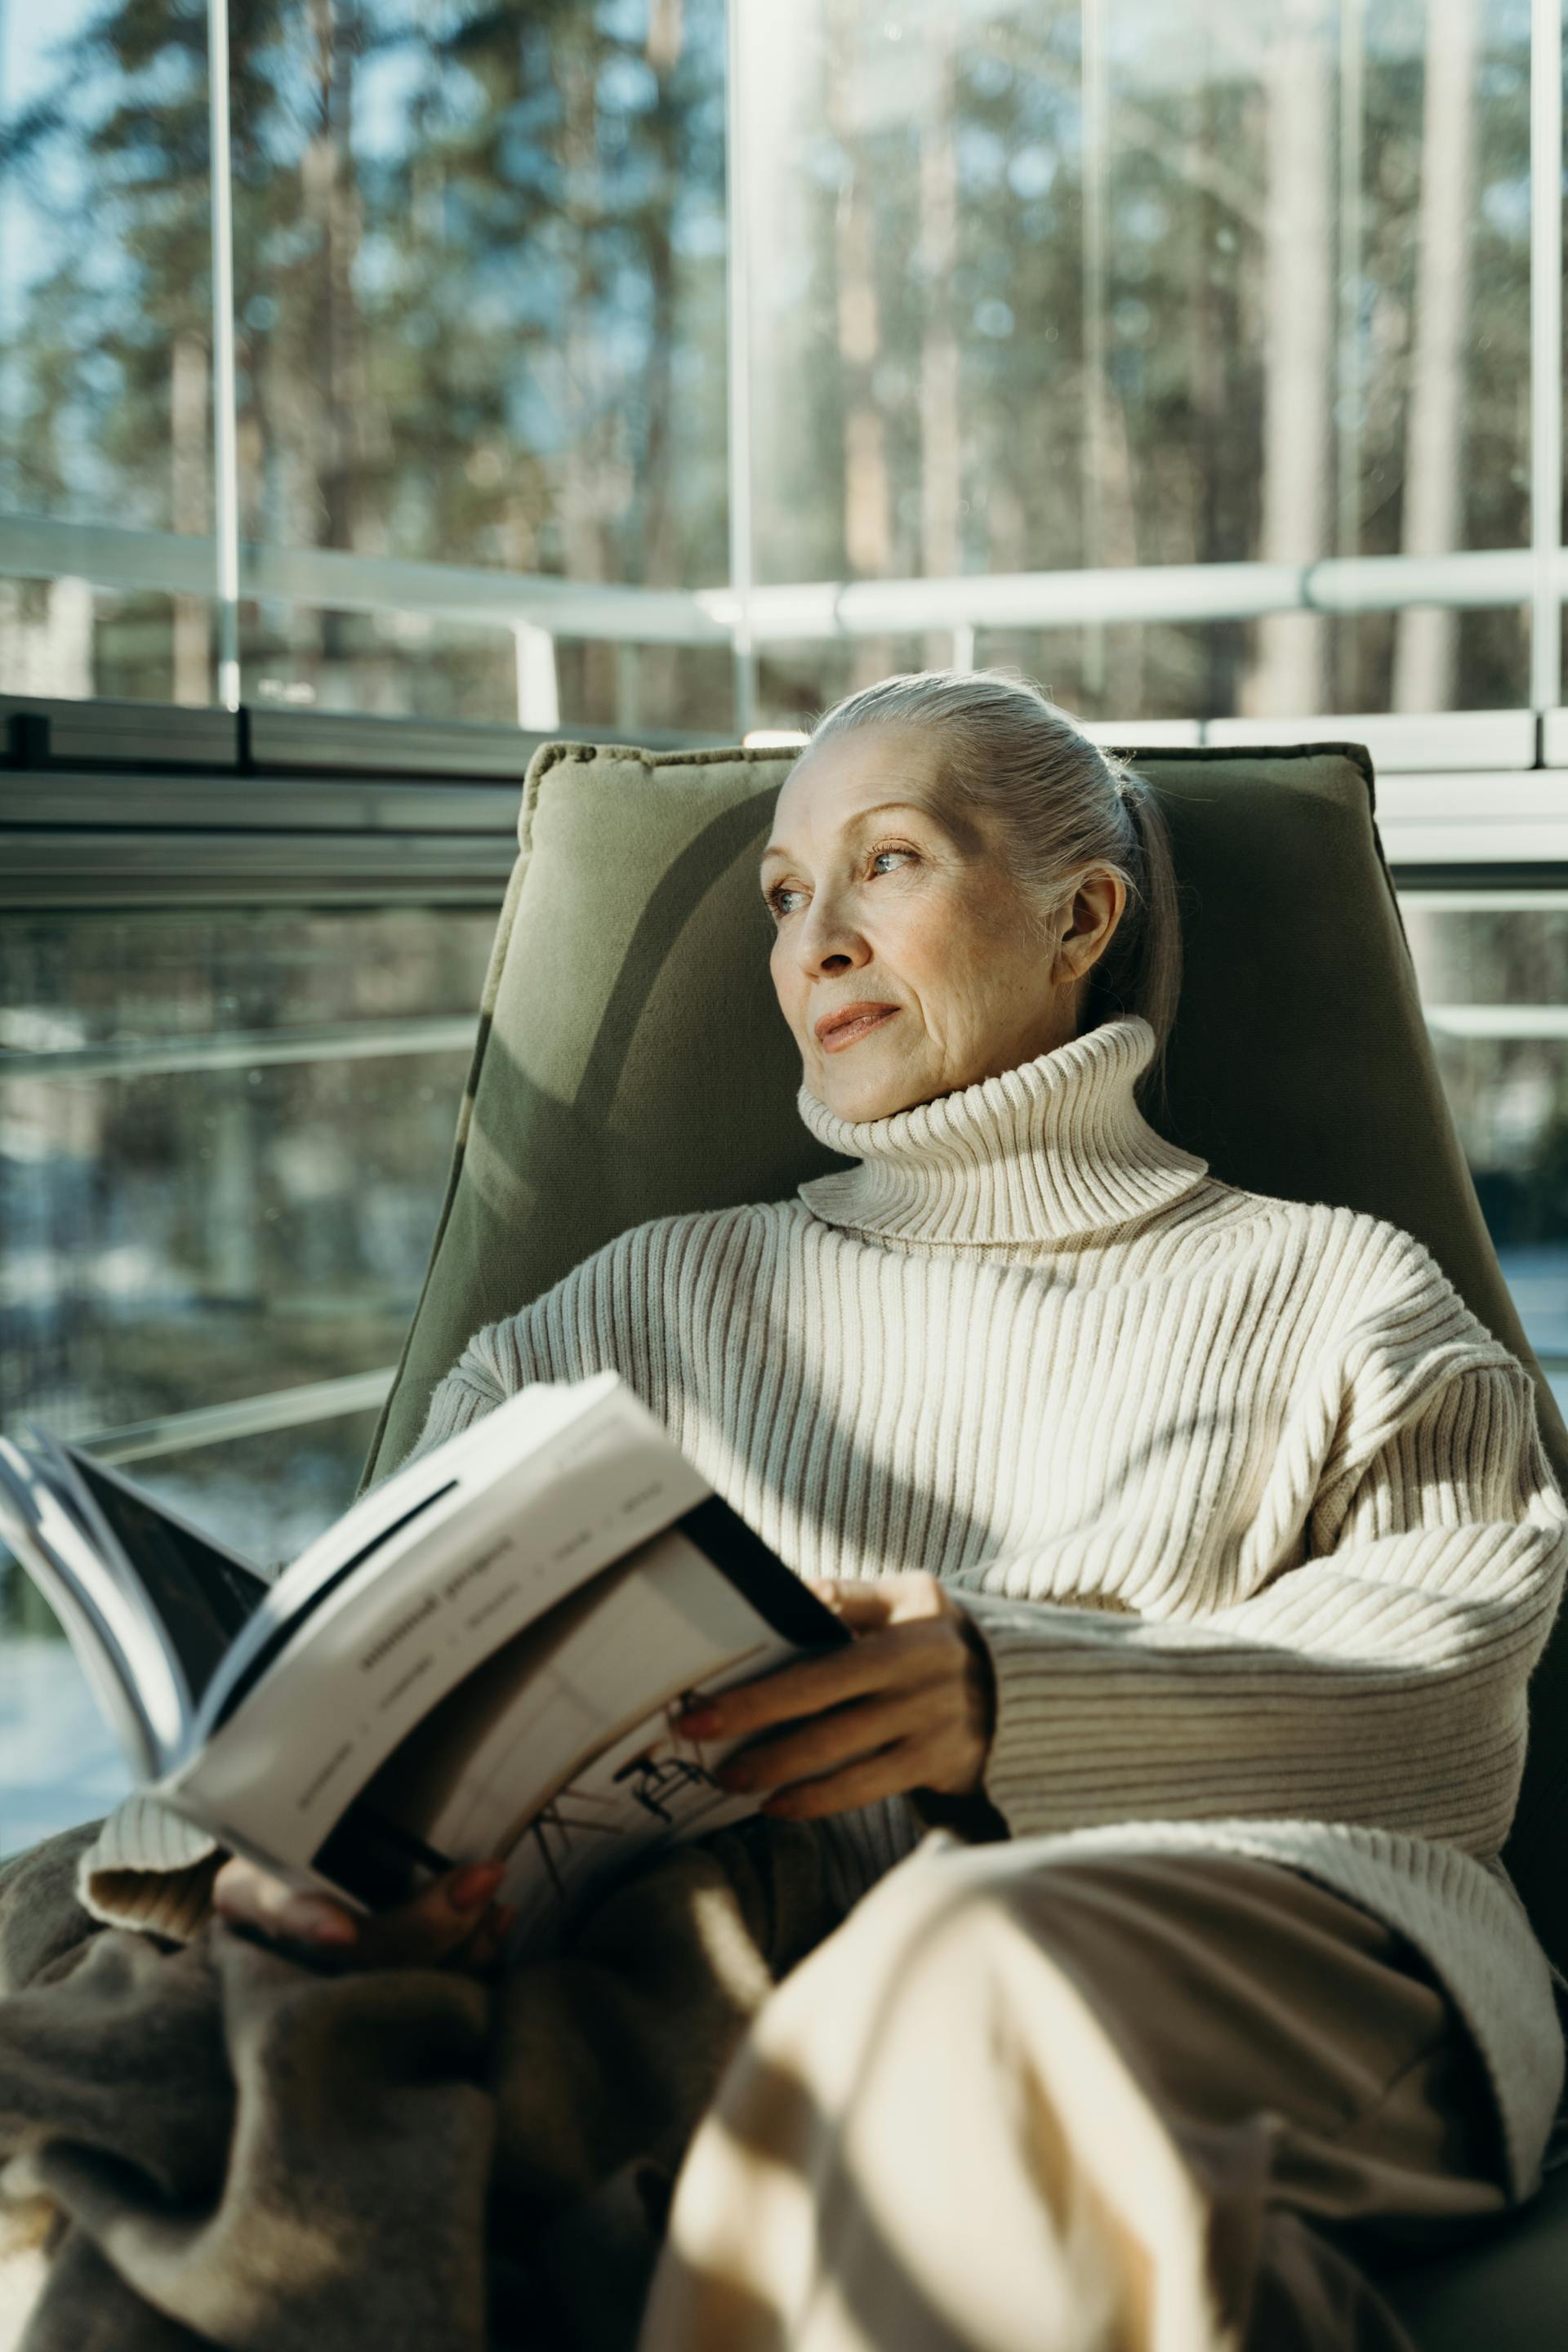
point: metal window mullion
(738, 268)
(1546, 350)
(1352, 258)
(1094, 113)
(226, 447)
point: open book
(482, 1658)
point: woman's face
(901, 910)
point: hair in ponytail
(1064, 808)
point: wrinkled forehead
(838, 782)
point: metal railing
(299, 1407)
(547, 608)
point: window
(1493, 966)
(661, 369)
(1190, 356)
(478, 335)
(1191, 300)
(105, 350)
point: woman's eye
(780, 891)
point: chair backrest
(598, 1096)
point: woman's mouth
(835, 1040)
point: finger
(861, 1605)
(253, 1898)
(891, 1773)
(870, 1663)
(899, 1599)
(482, 1952)
(830, 1742)
(435, 1921)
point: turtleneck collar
(1056, 1146)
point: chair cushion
(632, 1062)
(1506, 2290)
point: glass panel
(479, 258)
(1116, 285)
(105, 332)
(181, 1235)
(1494, 980)
(60, 1762)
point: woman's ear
(1091, 919)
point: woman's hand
(909, 1704)
(453, 1922)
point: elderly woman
(1198, 1544)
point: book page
(559, 1754)
(380, 1651)
(419, 1511)
(200, 1594)
(121, 1643)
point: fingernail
(474, 1885)
(701, 1724)
(318, 1923)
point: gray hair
(1063, 807)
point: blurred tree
(1426, 635)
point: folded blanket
(229, 2146)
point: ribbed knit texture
(1251, 1509)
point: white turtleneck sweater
(1250, 1508)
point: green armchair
(1300, 1066)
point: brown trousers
(1115, 2106)
(1147, 2103)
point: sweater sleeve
(1379, 1674)
(474, 1386)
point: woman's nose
(829, 938)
